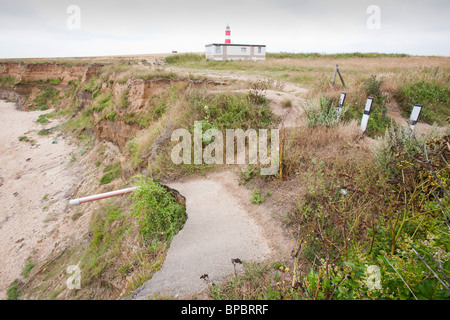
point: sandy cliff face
(43, 71)
(117, 132)
(130, 100)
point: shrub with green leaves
(233, 111)
(372, 86)
(159, 214)
(27, 269)
(257, 198)
(13, 291)
(323, 112)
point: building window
(259, 49)
(243, 50)
(218, 49)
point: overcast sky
(45, 28)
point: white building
(228, 51)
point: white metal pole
(75, 202)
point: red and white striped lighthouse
(227, 34)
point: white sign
(365, 117)
(414, 116)
(341, 102)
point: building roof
(235, 44)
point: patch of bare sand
(291, 116)
(34, 190)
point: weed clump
(324, 112)
(47, 98)
(257, 198)
(13, 292)
(159, 214)
(111, 172)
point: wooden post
(340, 76)
(435, 72)
(334, 77)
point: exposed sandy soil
(35, 184)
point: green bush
(159, 214)
(237, 111)
(372, 86)
(27, 269)
(324, 112)
(13, 291)
(256, 198)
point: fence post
(335, 72)
(435, 72)
(340, 76)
